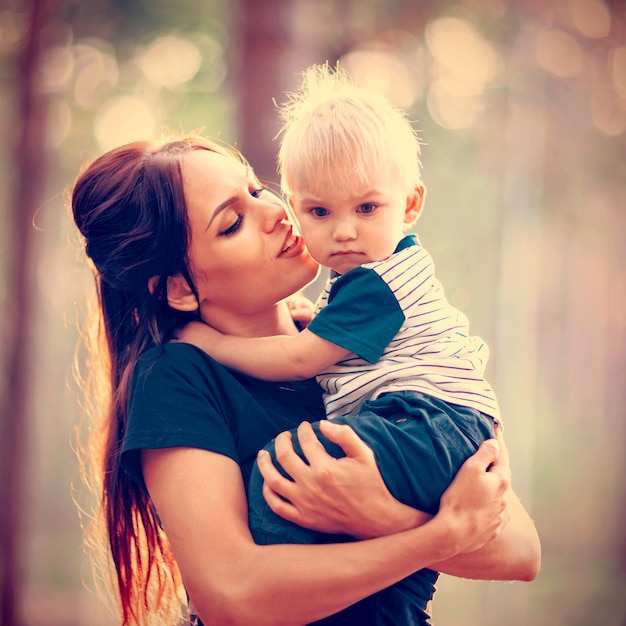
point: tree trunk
(29, 175)
(263, 49)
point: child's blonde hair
(334, 130)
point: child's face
(346, 227)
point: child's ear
(414, 204)
(180, 295)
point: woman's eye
(319, 211)
(257, 192)
(233, 228)
(367, 208)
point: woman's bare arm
(200, 499)
(515, 554)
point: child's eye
(233, 228)
(319, 211)
(367, 208)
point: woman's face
(244, 255)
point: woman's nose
(274, 214)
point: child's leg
(420, 443)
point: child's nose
(344, 231)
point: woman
(182, 230)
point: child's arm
(282, 357)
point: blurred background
(521, 106)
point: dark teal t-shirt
(180, 396)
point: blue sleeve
(362, 314)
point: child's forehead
(333, 177)
(344, 179)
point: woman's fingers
(316, 458)
(277, 490)
(346, 438)
(502, 465)
(487, 454)
(292, 462)
(288, 496)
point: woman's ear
(179, 294)
(414, 204)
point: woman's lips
(292, 245)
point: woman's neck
(273, 321)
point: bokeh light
(97, 74)
(12, 29)
(123, 119)
(57, 68)
(461, 52)
(463, 65)
(617, 70)
(559, 53)
(170, 61)
(591, 17)
(382, 69)
(607, 113)
(213, 68)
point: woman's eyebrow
(220, 207)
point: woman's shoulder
(179, 395)
(177, 357)
(182, 374)
(172, 353)
(177, 399)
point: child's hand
(200, 335)
(301, 309)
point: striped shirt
(404, 335)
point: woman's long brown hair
(129, 207)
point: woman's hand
(345, 495)
(475, 502)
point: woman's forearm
(515, 554)
(296, 584)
